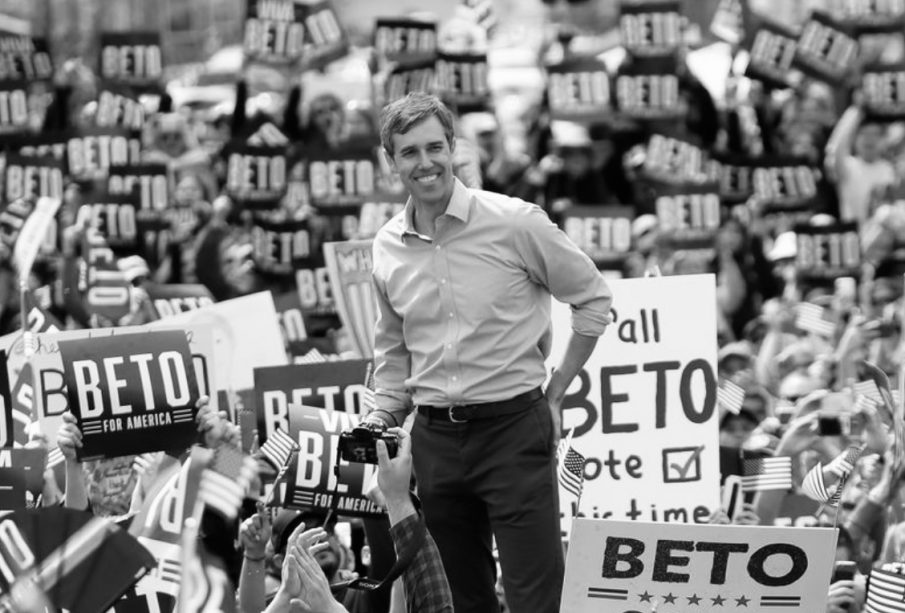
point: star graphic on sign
(693, 599)
(742, 602)
(718, 601)
(669, 599)
(645, 597)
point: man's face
(424, 161)
(869, 141)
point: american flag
(312, 357)
(765, 474)
(570, 468)
(812, 318)
(278, 447)
(225, 481)
(869, 390)
(55, 457)
(814, 486)
(885, 592)
(730, 396)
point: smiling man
(463, 279)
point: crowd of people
(810, 159)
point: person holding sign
(463, 280)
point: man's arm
(392, 362)
(426, 587)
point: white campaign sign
(636, 567)
(643, 410)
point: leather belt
(463, 413)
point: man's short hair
(402, 115)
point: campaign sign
(650, 93)
(325, 39)
(255, 176)
(828, 252)
(29, 464)
(341, 180)
(621, 567)
(883, 90)
(869, 16)
(149, 180)
(337, 386)
(675, 158)
(6, 405)
(131, 393)
(462, 81)
(175, 298)
(314, 291)
(280, 246)
(410, 77)
(771, 53)
(603, 232)
(117, 108)
(374, 214)
(405, 40)
(310, 480)
(13, 106)
(93, 285)
(650, 27)
(689, 215)
(132, 58)
(25, 58)
(643, 410)
(733, 175)
(826, 50)
(274, 31)
(785, 183)
(578, 89)
(12, 489)
(349, 266)
(92, 152)
(45, 144)
(31, 177)
(292, 323)
(114, 216)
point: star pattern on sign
(645, 597)
(669, 599)
(742, 601)
(693, 599)
(718, 601)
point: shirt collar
(458, 207)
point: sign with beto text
(131, 393)
(643, 408)
(617, 567)
(310, 480)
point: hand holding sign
(69, 437)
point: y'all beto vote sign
(310, 480)
(643, 408)
(628, 567)
(131, 393)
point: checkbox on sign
(682, 464)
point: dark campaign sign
(603, 232)
(325, 39)
(132, 393)
(256, 176)
(274, 31)
(883, 89)
(650, 92)
(341, 180)
(650, 27)
(13, 106)
(22, 57)
(149, 180)
(114, 215)
(336, 386)
(92, 152)
(410, 77)
(282, 246)
(826, 50)
(405, 40)
(292, 323)
(132, 58)
(578, 88)
(118, 108)
(784, 183)
(173, 299)
(6, 405)
(689, 215)
(22, 475)
(462, 80)
(772, 52)
(32, 177)
(310, 480)
(828, 252)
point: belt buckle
(452, 417)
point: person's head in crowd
(360, 123)
(602, 147)
(483, 130)
(734, 359)
(732, 237)
(572, 144)
(798, 383)
(189, 191)
(801, 141)
(170, 135)
(736, 428)
(869, 145)
(326, 119)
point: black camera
(360, 443)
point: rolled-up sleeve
(556, 263)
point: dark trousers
(493, 476)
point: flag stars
(645, 597)
(741, 601)
(669, 599)
(693, 599)
(718, 601)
